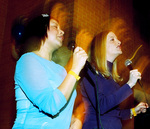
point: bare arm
(79, 59)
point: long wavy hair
(98, 56)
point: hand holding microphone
(135, 75)
(79, 59)
(83, 39)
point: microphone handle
(130, 67)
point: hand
(141, 107)
(83, 39)
(134, 76)
(75, 123)
(79, 59)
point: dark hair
(17, 29)
(35, 32)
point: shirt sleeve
(125, 114)
(32, 77)
(110, 101)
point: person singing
(45, 92)
(100, 90)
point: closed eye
(112, 39)
(55, 27)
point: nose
(119, 42)
(61, 32)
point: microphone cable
(88, 66)
(135, 52)
(98, 105)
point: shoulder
(27, 56)
(27, 59)
(31, 58)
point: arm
(108, 96)
(79, 59)
(140, 108)
(128, 113)
(77, 117)
(38, 87)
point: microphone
(128, 63)
(71, 46)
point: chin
(59, 45)
(119, 52)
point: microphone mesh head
(128, 62)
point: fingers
(147, 106)
(135, 73)
(77, 49)
(141, 107)
(79, 58)
(142, 104)
(80, 51)
(134, 76)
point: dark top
(110, 95)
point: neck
(44, 54)
(111, 59)
(109, 65)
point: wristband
(74, 74)
(133, 111)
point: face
(55, 34)
(113, 48)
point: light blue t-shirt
(40, 105)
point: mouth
(119, 47)
(61, 38)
